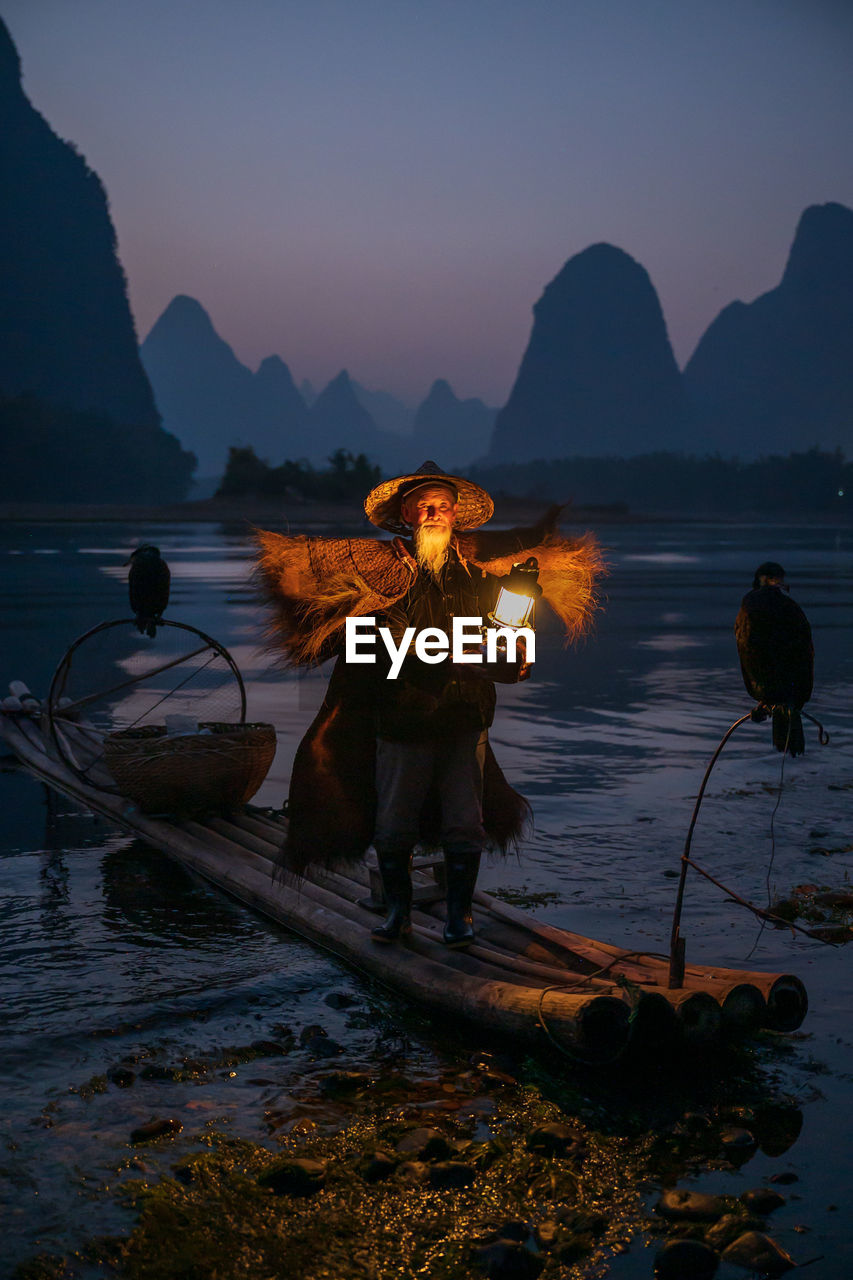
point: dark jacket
(429, 700)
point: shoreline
(508, 510)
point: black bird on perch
(148, 584)
(774, 643)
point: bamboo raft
(521, 978)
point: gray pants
(405, 772)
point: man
(432, 720)
(394, 761)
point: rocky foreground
(492, 1168)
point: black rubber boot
(460, 867)
(395, 868)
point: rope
(582, 979)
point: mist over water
(112, 954)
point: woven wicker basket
(190, 773)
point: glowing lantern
(517, 598)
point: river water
(111, 955)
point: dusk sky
(387, 186)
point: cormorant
(148, 584)
(774, 643)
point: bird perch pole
(676, 946)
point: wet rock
(507, 1260)
(582, 1221)
(339, 1000)
(342, 1084)
(762, 1200)
(184, 1171)
(841, 898)
(513, 1229)
(484, 1154)
(498, 1062)
(574, 1247)
(323, 1047)
(377, 1166)
(695, 1122)
(734, 1138)
(755, 1251)
(427, 1144)
(832, 932)
(294, 1177)
(156, 1129)
(154, 1072)
(412, 1171)
(479, 1106)
(777, 1128)
(121, 1077)
(785, 1178)
(451, 1173)
(686, 1260)
(268, 1048)
(729, 1227)
(690, 1206)
(311, 1032)
(554, 1139)
(546, 1233)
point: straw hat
(382, 504)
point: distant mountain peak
(440, 393)
(10, 62)
(774, 375)
(822, 251)
(598, 375)
(184, 313)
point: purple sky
(388, 185)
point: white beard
(431, 543)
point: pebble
(294, 1177)
(784, 1179)
(122, 1077)
(339, 1000)
(513, 1229)
(507, 1260)
(754, 1251)
(554, 1139)
(268, 1048)
(693, 1206)
(686, 1260)
(377, 1166)
(740, 1139)
(340, 1084)
(762, 1200)
(583, 1220)
(311, 1032)
(155, 1129)
(428, 1144)
(728, 1228)
(154, 1072)
(451, 1173)
(546, 1233)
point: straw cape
(312, 585)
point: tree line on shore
(815, 481)
(347, 476)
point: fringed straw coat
(312, 585)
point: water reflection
(110, 951)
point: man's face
(431, 506)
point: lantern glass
(512, 609)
